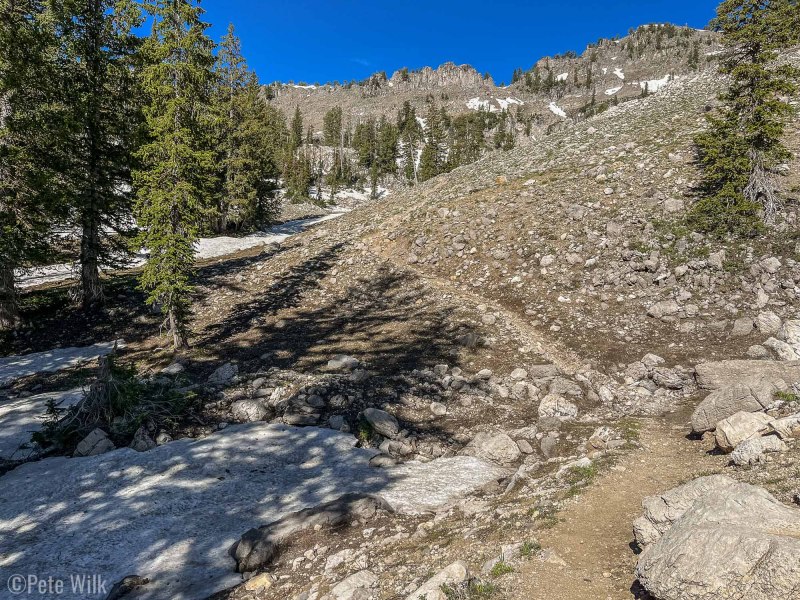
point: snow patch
(172, 513)
(562, 76)
(478, 104)
(612, 91)
(506, 102)
(22, 417)
(619, 73)
(13, 368)
(654, 85)
(557, 110)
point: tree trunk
(9, 316)
(178, 336)
(91, 288)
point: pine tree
(432, 159)
(176, 177)
(411, 137)
(296, 130)
(32, 115)
(97, 48)
(741, 151)
(332, 127)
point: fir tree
(176, 174)
(742, 149)
(411, 137)
(97, 48)
(332, 127)
(296, 130)
(32, 115)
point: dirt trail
(594, 534)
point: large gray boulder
(725, 373)
(751, 452)
(450, 576)
(739, 428)
(717, 538)
(747, 396)
(382, 422)
(496, 447)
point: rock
(173, 369)
(438, 409)
(717, 259)
(673, 205)
(752, 451)
(724, 540)
(665, 308)
(790, 333)
(259, 583)
(726, 402)
(757, 351)
(720, 374)
(557, 406)
(342, 362)
(497, 447)
(782, 349)
(771, 265)
(667, 378)
(95, 443)
(249, 411)
(345, 590)
(483, 374)
(163, 438)
(519, 374)
(742, 327)
(525, 446)
(651, 361)
(257, 547)
(142, 442)
(768, 323)
(382, 422)
(338, 423)
(786, 427)
(224, 374)
(740, 427)
(451, 575)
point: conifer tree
(31, 125)
(332, 127)
(743, 148)
(411, 137)
(176, 176)
(96, 62)
(296, 130)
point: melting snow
(21, 417)
(478, 104)
(655, 84)
(13, 368)
(562, 77)
(172, 513)
(505, 103)
(557, 110)
(612, 91)
(206, 248)
(619, 73)
(304, 87)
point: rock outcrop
(716, 538)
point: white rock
(224, 374)
(752, 451)
(95, 443)
(554, 405)
(495, 446)
(741, 427)
(452, 574)
(344, 590)
(382, 422)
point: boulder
(752, 451)
(790, 333)
(742, 327)
(720, 374)
(786, 427)
(451, 575)
(382, 422)
(554, 405)
(665, 308)
(496, 446)
(782, 349)
(224, 374)
(740, 427)
(768, 323)
(345, 590)
(725, 540)
(728, 401)
(142, 442)
(95, 443)
(342, 362)
(249, 411)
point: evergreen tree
(467, 140)
(742, 149)
(176, 176)
(31, 121)
(97, 48)
(332, 127)
(434, 154)
(296, 130)
(411, 138)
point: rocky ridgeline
(614, 72)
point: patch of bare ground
(593, 538)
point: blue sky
(328, 40)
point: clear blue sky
(327, 40)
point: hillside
(606, 69)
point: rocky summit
(427, 335)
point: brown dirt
(594, 534)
